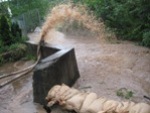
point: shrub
(146, 39)
(130, 19)
(124, 93)
(16, 32)
(10, 33)
(12, 53)
(11, 47)
(5, 32)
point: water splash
(70, 12)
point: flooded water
(17, 96)
(104, 68)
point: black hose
(147, 97)
(47, 109)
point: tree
(5, 30)
(4, 9)
(21, 6)
(130, 19)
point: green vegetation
(11, 40)
(29, 13)
(12, 45)
(3, 8)
(19, 7)
(12, 53)
(124, 93)
(129, 19)
(9, 32)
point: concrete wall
(46, 50)
(57, 68)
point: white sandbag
(87, 101)
(72, 99)
(140, 108)
(70, 94)
(110, 105)
(61, 91)
(124, 106)
(53, 91)
(96, 105)
(76, 101)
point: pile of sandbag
(81, 102)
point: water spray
(58, 15)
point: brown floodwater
(17, 96)
(104, 68)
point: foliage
(16, 32)
(53, 3)
(11, 47)
(21, 6)
(3, 8)
(29, 13)
(130, 19)
(146, 39)
(30, 57)
(5, 32)
(124, 93)
(12, 52)
(9, 32)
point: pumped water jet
(69, 13)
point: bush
(19, 7)
(16, 32)
(146, 39)
(130, 19)
(12, 52)
(11, 47)
(10, 33)
(5, 32)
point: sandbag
(87, 101)
(83, 102)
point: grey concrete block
(46, 50)
(57, 66)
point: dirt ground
(104, 67)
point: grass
(15, 52)
(124, 93)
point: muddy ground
(104, 67)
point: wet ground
(104, 68)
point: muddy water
(17, 96)
(104, 68)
